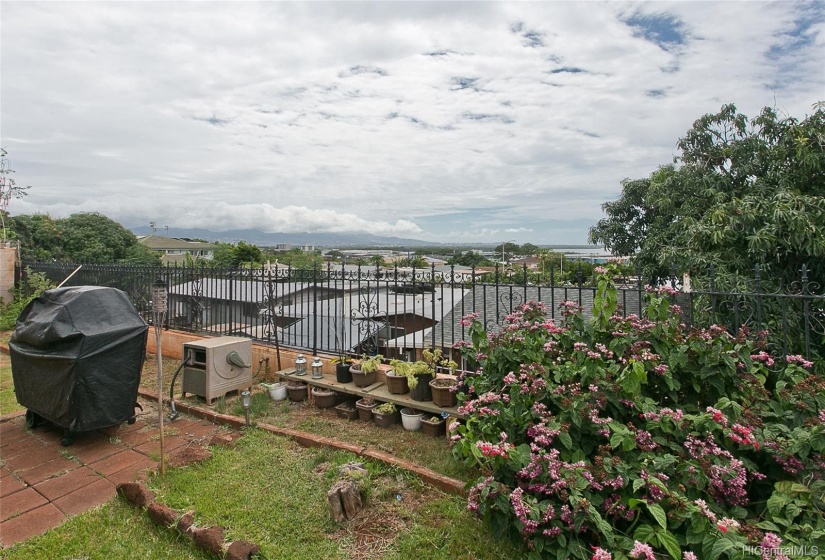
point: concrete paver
(34, 522)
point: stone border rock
(210, 539)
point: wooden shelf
(378, 391)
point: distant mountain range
(264, 239)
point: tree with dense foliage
(742, 193)
(470, 258)
(86, 237)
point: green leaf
(670, 543)
(721, 545)
(566, 440)
(644, 533)
(638, 483)
(658, 514)
(788, 487)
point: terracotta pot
(397, 384)
(324, 398)
(360, 378)
(442, 394)
(297, 392)
(422, 389)
(365, 410)
(435, 429)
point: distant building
(174, 250)
(532, 263)
(283, 247)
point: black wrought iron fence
(353, 310)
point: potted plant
(385, 415)
(425, 372)
(342, 368)
(363, 373)
(296, 391)
(365, 407)
(411, 419)
(434, 425)
(398, 377)
(346, 410)
(277, 390)
(443, 391)
(324, 398)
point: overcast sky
(446, 121)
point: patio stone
(32, 523)
(55, 488)
(20, 502)
(92, 495)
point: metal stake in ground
(159, 310)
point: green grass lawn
(8, 401)
(270, 491)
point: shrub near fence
(638, 436)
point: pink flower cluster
(641, 550)
(764, 357)
(600, 554)
(493, 450)
(718, 416)
(797, 359)
(743, 436)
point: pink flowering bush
(636, 437)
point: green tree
(246, 253)
(742, 193)
(470, 259)
(38, 236)
(89, 237)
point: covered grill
(76, 358)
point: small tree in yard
(638, 437)
(8, 189)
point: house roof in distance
(161, 243)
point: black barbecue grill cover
(77, 355)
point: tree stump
(344, 500)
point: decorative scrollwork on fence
(269, 308)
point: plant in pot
(347, 411)
(365, 407)
(434, 425)
(443, 391)
(425, 372)
(385, 415)
(411, 419)
(343, 363)
(297, 391)
(277, 390)
(398, 377)
(324, 398)
(363, 372)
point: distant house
(532, 263)
(175, 250)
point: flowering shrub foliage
(637, 437)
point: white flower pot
(411, 419)
(277, 391)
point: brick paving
(42, 483)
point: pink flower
(600, 554)
(641, 550)
(688, 556)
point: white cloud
(431, 120)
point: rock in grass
(209, 539)
(186, 522)
(136, 493)
(162, 515)
(187, 456)
(224, 439)
(241, 550)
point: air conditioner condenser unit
(216, 366)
